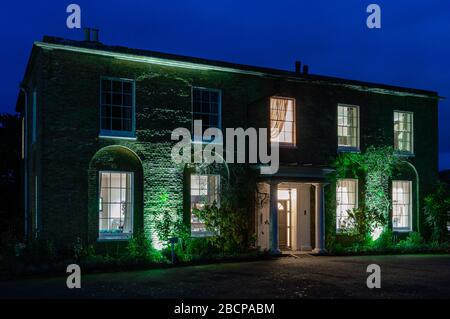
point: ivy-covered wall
(69, 112)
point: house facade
(96, 147)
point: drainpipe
(25, 160)
(417, 193)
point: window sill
(202, 235)
(287, 146)
(205, 142)
(403, 154)
(111, 238)
(343, 149)
(117, 137)
(401, 230)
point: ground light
(376, 233)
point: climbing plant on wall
(375, 166)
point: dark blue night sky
(411, 49)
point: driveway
(402, 276)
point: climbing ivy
(375, 166)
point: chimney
(87, 34)
(94, 35)
(298, 67)
(305, 69)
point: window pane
(282, 122)
(117, 105)
(346, 200)
(401, 204)
(204, 191)
(206, 107)
(348, 122)
(116, 204)
(403, 130)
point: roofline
(158, 58)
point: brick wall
(69, 89)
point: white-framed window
(348, 127)
(206, 106)
(403, 132)
(116, 203)
(282, 120)
(204, 192)
(117, 107)
(346, 200)
(401, 205)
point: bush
(39, 250)
(386, 240)
(230, 227)
(437, 208)
(362, 222)
(201, 248)
(141, 248)
(413, 241)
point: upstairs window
(346, 200)
(204, 192)
(206, 106)
(348, 127)
(401, 205)
(117, 107)
(403, 132)
(282, 123)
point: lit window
(206, 104)
(401, 205)
(282, 123)
(403, 128)
(117, 107)
(204, 192)
(346, 200)
(116, 205)
(348, 127)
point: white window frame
(205, 233)
(294, 122)
(104, 133)
(219, 115)
(346, 148)
(410, 203)
(120, 236)
(400, 152)
(356, 205)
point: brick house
(97, 123)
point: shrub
(141, 248)
(40, 250)
(201, 248)
(413, 241)
(386, 240)
(362, 222)
(437, 208)
(229, 225)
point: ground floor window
(346, 200)
(115, 205)
(401, 205)
(204, 191)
